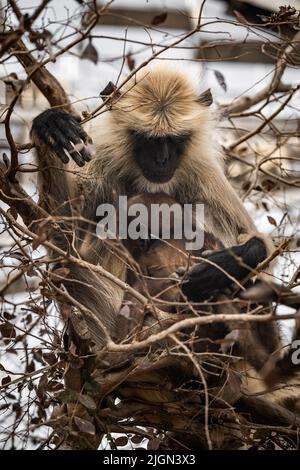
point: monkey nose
(161, 160)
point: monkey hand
(222, 269)
(62, 134)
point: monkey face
(158, 157)
(158, 262)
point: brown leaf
(130, 61)
(265, 206)
(42, 386)
(136, 439)
(84, 426)
(90, 53)
(4, 406)
(272, 221)
(246, 185)
(241, 19)
(17, 409)
(121, 441)
(87, 401)
(6, 380)
(67, 396)
(220, 79)
(50, 358)
(9, 316)
(159, 19)
(7, 330)
(30, 367)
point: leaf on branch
(84, 426)
(121, 441)
(6, 160)
(136, 439)
(246, 185)
(6, 380)
(159, 19)
(130, 61)
(9, 316)
(90, 53)
(272, 221)
(67, 396)
(241, 19)
(265, 206)
(50, 358)
(88, 402)
(42, 386)
(220, 79)
(7, 330)
(31, 367)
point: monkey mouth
(158, 176)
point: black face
(158, 157)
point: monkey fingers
(62, 133)
(234, 263)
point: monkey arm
(205, 279)
(74, 225)
(228, 220)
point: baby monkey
(161, 263)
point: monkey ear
(109, 90)
(205, 98)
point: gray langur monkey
(157, 136)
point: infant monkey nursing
(159, 269)
(162, 262)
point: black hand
(204, 279)
(61, 132)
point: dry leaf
(241, 19)
(221, 79)
(90, 53)
(130, 61)
(50, 358)
(272, 221)
(84, 426)
(159, 19)
(88, 402)
(6, 380)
